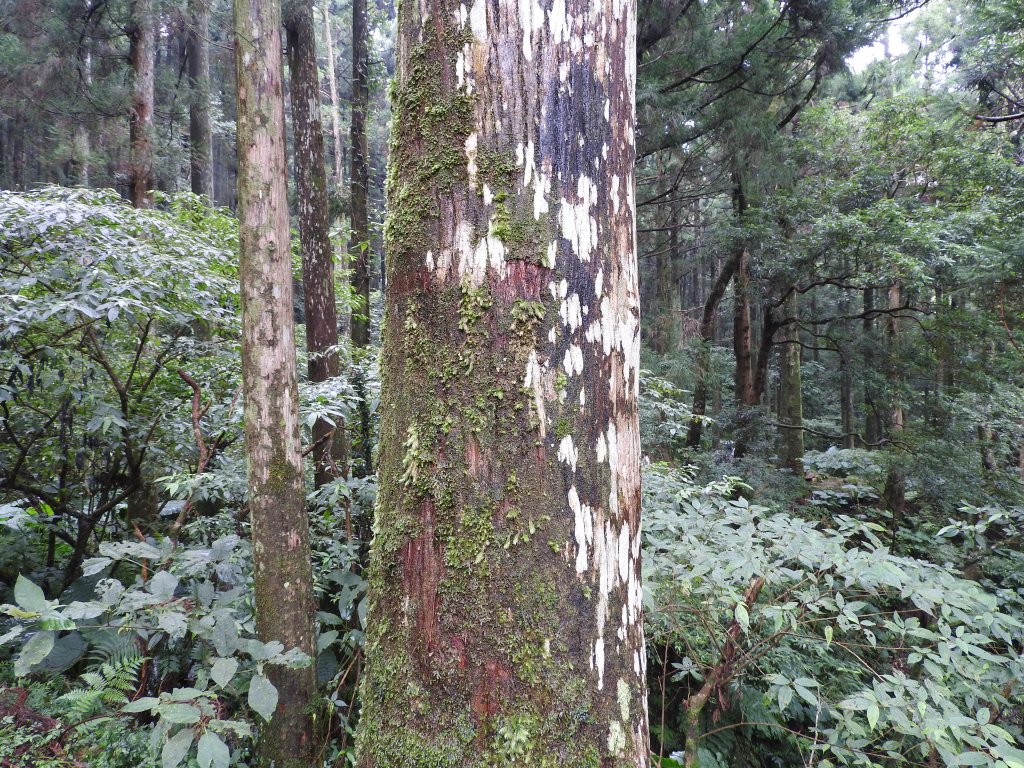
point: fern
(110, 685)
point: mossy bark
(505, 615)
(282, 574)
(321, 315)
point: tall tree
(142, 39)
(317, 251)
(359, 177)
(505, 618)
(332, 90)
(200, 133)
(282, 574)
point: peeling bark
(505, 617)
(282, 575)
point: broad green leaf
(785, 696)
(742, 616)
(29, 596)
(263, 696)
(176, 747)
(180, 713)
(213, 753)
(34, 651)
(873, 713)
(144, 704)
(972, 758)
(223, 670)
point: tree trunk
(505, 620)
(142, 38)
(282, 578)
(791, 410)
(702, 364)
(741, 335)
(895, 492)
(200, 132)
(332, 88)
(359, 245)
(872, 423)
(321, 314)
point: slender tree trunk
(142, 38)
(708, 325)
(872, 425)
(359, 245)
(200, 132)
(332, 88)
(505, 620)
(317, 253)
(791, 410)
(741, 335)
(846, 403)
(282, 578)
(895, 493)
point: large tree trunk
(142, 39)
(282, 578)
(200, 134)
(741, 335)
(317, 253)
(791, 410)
(359, 245)
(505, 619)
(895, 492)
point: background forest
(830, 199)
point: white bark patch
(534, 381)
(487, 195)
(573, 361)
(567, 453)
(429, 260)
(558, 22)
(584, 530)
(531, 19)
(622, 556)
(602, 449)
(541, 190)
(471, 142)
(478, 20)
(571, 313)
(578, 226)
(615, 192)
(599, 662)
(550, 257)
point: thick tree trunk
(359, 245)
(321, 314)
(791, 409)
(142, 39)
(332, 89)
(505, 620)
(282, 578)
(200, 132)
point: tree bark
(200, 132)
(142, 39)
(332, 88)
(359, 178)
(505, 619)
(741, 335)
(895, 492)
(282, 578)
(321, 314)
(791, 411)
